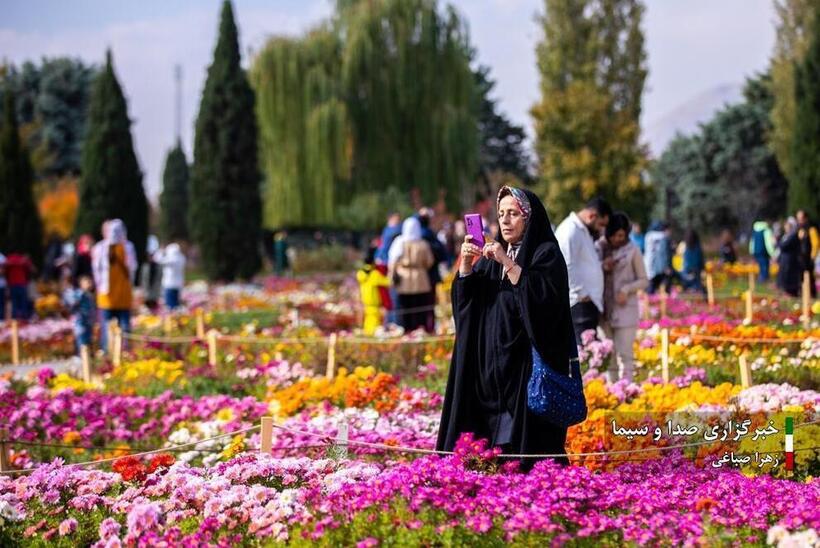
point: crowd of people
(96, 280)
(793, 245)
(609, 261)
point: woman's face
(618, 239)
(510, 220)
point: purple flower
(67, 526)
(109, 527)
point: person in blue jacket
(762, 247)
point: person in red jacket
(19, 271)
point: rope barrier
(160, 339)
(291, 340)
(145, 453)
(403, 449)
(740, 340)
(272, 340)
(123, 450)
(388, 447)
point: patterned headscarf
(520, 198)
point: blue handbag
(558, 398)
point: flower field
(350, 461)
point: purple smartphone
(475, 228)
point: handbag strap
(574, 363)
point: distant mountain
(686, 117)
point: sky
(693, 47)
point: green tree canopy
(52, 106)
(804, 185)
(173, 201)
(725, 175)
(226, 213)
(381, 97)
(111, 182)
(794, 20)
(501, 142)
(20, 229)
(592, 64)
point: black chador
(497, 323)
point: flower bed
(457, 500)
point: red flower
(130, 468)
(163, 460)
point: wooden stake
(331, 356)
(751, 276)
(111, 327)
(745, 372)
(693, 330)
(85, 356)
(749, 308)
(212, 347)
(710, 289)
(4, 450)
(266, 432)
(341, 439)
(665, 355)
(116, 356)
(200, 324)
(167, 326)
(806, 300)
(15, 343)
(663, 302)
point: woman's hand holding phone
(469, 253)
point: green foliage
(20, 229)
(52, 104)
(411, 97)
(111, 182)
(368, 210)
(303, 128)
(225, 206)
(794, 19)
(804, 187)
(173, 201)
(327, 258)
(382, 96)
(592, 62)
(726, 174)
(501, 143)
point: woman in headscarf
(114, 262)
(514, 298)
(409, 259)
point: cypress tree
(225, 213)
(804, 184)
(173, 201)
(20, 229)
(111, 180)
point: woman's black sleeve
(542, 293)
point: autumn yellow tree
(592, 63)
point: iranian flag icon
(790, 443)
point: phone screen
(475, 228)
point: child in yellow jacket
(373, 284)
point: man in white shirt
(576, 235)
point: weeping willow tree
(381, 97)
(304, 130)
(411, 97)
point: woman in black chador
(515, 297)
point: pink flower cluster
(40, 416)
